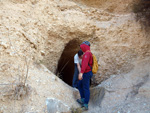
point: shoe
(75, 89)
(85, 107)
(80, 101)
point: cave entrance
(65, 67)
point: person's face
(81, 56)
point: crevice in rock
(97, 95)
(140, 84)
(135, 88)
(65, 67)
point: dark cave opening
(65, 67)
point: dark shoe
(80, 101)
(85, 107)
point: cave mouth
(65, 67)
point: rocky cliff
(38, 39)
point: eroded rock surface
(34, 34)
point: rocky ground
(36, 34)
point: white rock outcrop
(33, 35)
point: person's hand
(80, 76)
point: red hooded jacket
(87, 59)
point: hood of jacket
(84, 47)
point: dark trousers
(75, 77)
(84, 86)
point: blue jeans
(84, 86)
(75, 77)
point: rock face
(31, 97)
(54, 106)
(124, 93)
(33, 38)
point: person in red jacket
(85, 75)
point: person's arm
(80, 76)
(79, 68)
(85, 61)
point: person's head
(86, 43)
(85, 46)
(80, 54)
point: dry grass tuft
(19, 92)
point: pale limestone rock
(54, 105)
(124, 93)
(36, 32)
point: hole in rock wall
(65, 67)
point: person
(77, 69)
(85, 75)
